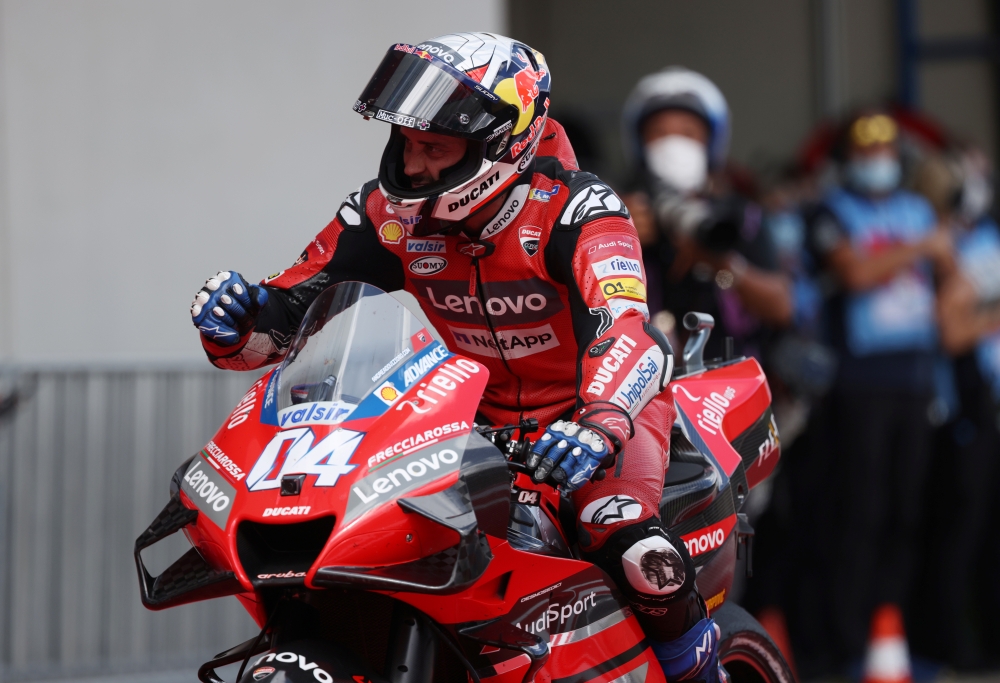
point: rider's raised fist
(226, 307)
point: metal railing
(86, 458)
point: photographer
(705, 249)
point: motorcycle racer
(531, 267)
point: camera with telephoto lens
(714, 224)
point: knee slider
(652, 567)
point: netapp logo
(511, 343)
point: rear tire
(746, 651)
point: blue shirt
(896, 316)
(979, 255)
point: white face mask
(680, 162)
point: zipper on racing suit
(476, 289)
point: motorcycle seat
(691, 481)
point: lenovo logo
(507, 303)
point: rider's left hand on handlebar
(567, 453)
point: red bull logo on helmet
(526, 85)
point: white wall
(145, 145)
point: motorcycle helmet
(677, 88)
(488, 89)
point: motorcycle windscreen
(352, 339)
(417, 93)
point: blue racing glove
(568, 453)
(226, 308)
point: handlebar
(515, 450)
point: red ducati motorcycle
(378, 535)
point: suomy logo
(428, 265)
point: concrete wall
(961, 94)
(598, 54)
(767, 56)
(146, 145)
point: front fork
(412, 646)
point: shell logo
(391, 232)
(388, 393)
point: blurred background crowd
(816, 174)
(864, 274)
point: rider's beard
(421, 180)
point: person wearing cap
(880, 244)
(706, 249)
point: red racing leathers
(551, 298)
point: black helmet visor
(414, 89)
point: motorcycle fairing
(588, 627)
(415, 511)
(716, 408)
(381, 539)
(309, 662)
(725, 415)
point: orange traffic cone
(888, 658)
